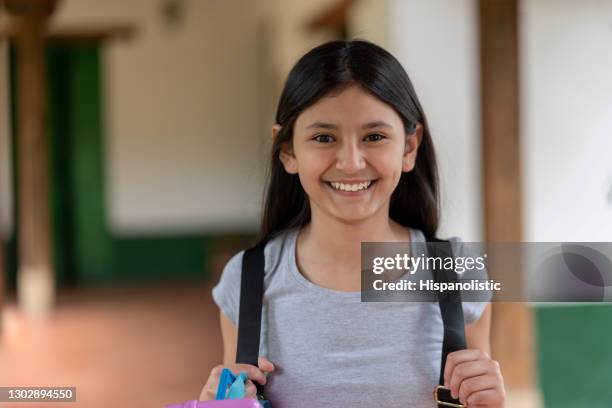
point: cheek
(391, 170)
(390, 164)
(311, 172)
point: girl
(352, 161)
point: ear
(413, 142)
(286, 155)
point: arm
(477, 334)
(230, 338)
(471, 374)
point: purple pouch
(235, 403)
(230, 386)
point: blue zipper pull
(238, 389)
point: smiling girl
(352, 161)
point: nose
(350, 158)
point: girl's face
(349, 150)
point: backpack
(251, 301)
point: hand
(209, 392)
(475, 379)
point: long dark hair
(329, 67)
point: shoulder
(274, 252)
(463, 250)
(278, 250)
(471, 253)
(226, 293)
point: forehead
(350, 107)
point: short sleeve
(226, 293)
(471, 310)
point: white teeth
(351, 187)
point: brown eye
(375, 137)
(323, 138)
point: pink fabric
(236, 403)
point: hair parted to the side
(327, 68)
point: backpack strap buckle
(440, 398)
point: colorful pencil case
(230, 394)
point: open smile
(351, 189)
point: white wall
(566, 88)
(437, 43)
(292, 38)
(369, 20)
(183, 147)
(566, 107)
(189, 112)
(186, 142)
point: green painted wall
(575, 355)
(85, 252)
(175, 257)
(81, 243)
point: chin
(353, 218)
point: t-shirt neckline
(291, 263)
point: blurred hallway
(124, 347)
(157, 115)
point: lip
(351, 193)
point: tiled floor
(120, 347)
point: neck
(332, 238)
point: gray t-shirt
(332, 350)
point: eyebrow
(370, 125)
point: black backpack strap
(451, 311)
(251, 302)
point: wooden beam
(334, 18)
(35, 277)
(512, 337)
(79, 34)
(41, 9)
(30, 32)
